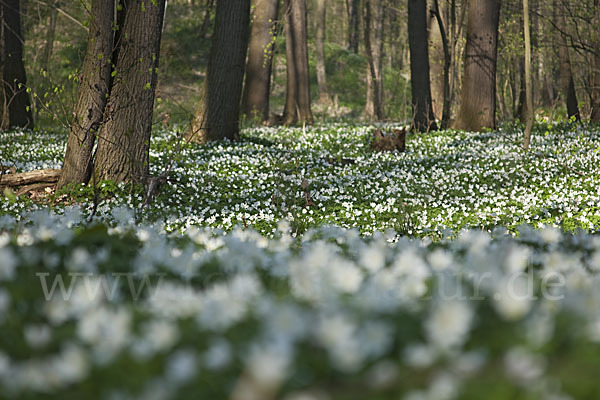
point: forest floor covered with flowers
(300, 264)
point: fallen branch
(33, 188)
(30, 177)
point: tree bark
(478, 96)
(218, 113)
(567, 83)
(446, 70)
(595, 90)
(436, 60)
(324, 97)
(124, 138)
(260, 59)
(373, 32)
(15, 80)
(297, 104)
(25, 178)
(528, 88)
(423, 117)
(4, 120)
(50, 33)
(353, 26)
(93, 93)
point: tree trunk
(50, 35)
(478, 96)
(15, 80)
(218, 113)
(353, 26)
(206, 19)
(595, 91)
(436, 60)
(528, 88)
(446, 70)
(324, 97)
(124, 138)
(423, 117)
(260, 59)
(373, 32)
(297, 104)
(567, 83)
(93, 93)
(4, 121)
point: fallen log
(33, 188)
(30, 177)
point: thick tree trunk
(218, 113)
(260, 59)
(124, 138)
(353, 26)
(13, 74)
(324, 97)
(373, 32)
(423, 117)
(567, 83)
(478, 96)
(297, 104)
(93, 93)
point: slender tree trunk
(124, 138)
(297, 105)
(260, 59)
(373, 32)
(478, 96)
(4, 120)
(567, 83)
(218, 113)
(93, 94)
(353, 26)
(423, 117)
(50, 33)
(436, 61)
(528, 88)
(324, 97)
(595, 92)
(446, 69)
(15, 80)
(206, 19)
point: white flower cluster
(263, 312)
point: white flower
(372, 256)
(517, 258)
(550, 235)
(107, 330)
(345, 277)
(419, 356)
(439, 259)
(523, 366)
(268, 365)
(8, 264)
(513, 298)
(71, 365)
(218, 355)
(449, 323)
(182, 366)
(4, 364)
(37, 335)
